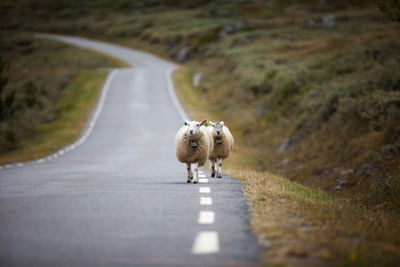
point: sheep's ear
(212, 124)
(203, 122)
(186, 123)
(222, 123)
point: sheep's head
(193, 127)
(218, 128)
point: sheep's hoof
(219, 176)
(195, 182)
(188, 181)
(213, 175)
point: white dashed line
(204, 190)
(40, 161)
(8, 166)
(206, 217)
(20, 164)
(206, 242)
(203, 181)
(202, 176)
(205, 201)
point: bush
(385, 194)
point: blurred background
(311, 88)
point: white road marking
(202, 180)
(206, 217)
(206, 242)
(20, 164)
(172, 94)
(204, 190)
(202, 176)
(205, 201)
(91, 124)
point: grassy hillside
(303, 226)
(311, 91)
(48, 89)
(311, 86)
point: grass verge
(78, 99)
(299, 225)
(47, 92)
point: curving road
(118, 196)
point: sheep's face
(217, 128)
(193, 127)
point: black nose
(218, 132)
(191, 131)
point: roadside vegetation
(310, 90)
(47, 91)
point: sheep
(223, 144)
(193, 144)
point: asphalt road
(118, 196)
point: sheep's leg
(212, 168)
(219, 168)
(196, 173)
(190, 175)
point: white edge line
(206, 242)
(86, 133)
(172, 94)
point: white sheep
(193, 144)
(223, 144)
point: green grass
(51, 89)
(300, 225)
(332, 95)
(76, 103)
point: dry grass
(298, 225)
(301, 226)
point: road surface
(118, 196)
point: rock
(324, 172)
(342, 171)
(337, 170)
(346, 172)
(259, 111)
(183, 54)
(328, 21)
(389, 151)
(284, 161)
(197, 78)
(230, 28)
(364, 170)
(311, 22)
(170, 46)
(287, 143)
